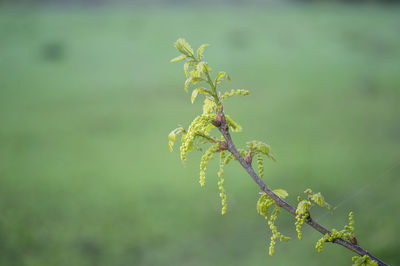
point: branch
(223, 127)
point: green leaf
(308, 191)
(196, 80)
(178, 58)
(194, 95)
(200, 51)
(264, 148)
(303, 207)
(195, 73)
(184, 47)
(201, 67)
(220, 76)
(203, 91)
(281, 193)
(319, 199)
(187, 65)
(197, 91)
(172, 136)
(187, 82)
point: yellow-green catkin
(363, 261)
(207, 156)
(263, 205)
(198, 125)
(300, 219)
(222, 192)
(328, 238)
(350, 227)
(228, 158)
(274, 230)
(228, 94)
(260, 165)
(346, 233)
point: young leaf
(178, 58)
(200, 51)
(201, 68)
(194, 95)
(187, 65)
(196, 80)
(266, 149)
(220, 76)
(172, 138)
(319, 199)
(187, 82)
(281, 193)
(203, 90)
(303, 207)
(184, 47)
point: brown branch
(222, 126)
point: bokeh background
(88, 97)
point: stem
(224, 129)
(211, 139)
(214, 88)
(209, 81)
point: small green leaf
(186, 68)
(200, 51)
(194, 95)
(187, 82)
(195, 73)
(172, 136)
(319, 199)
(187, 65)
(266, 149)
(184, 47)
(281, 193)
(203, 91)
(308, 191)
(196, 80)
(220, 76)
(178, 58)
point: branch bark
(224, 129)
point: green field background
(88, 97)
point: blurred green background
(88, 97)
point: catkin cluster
(304, 206)
(346, 233)
(207, 156)
(263, 205)
(259, 149)
(300, 219)
(363, 261)
(197, 128)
